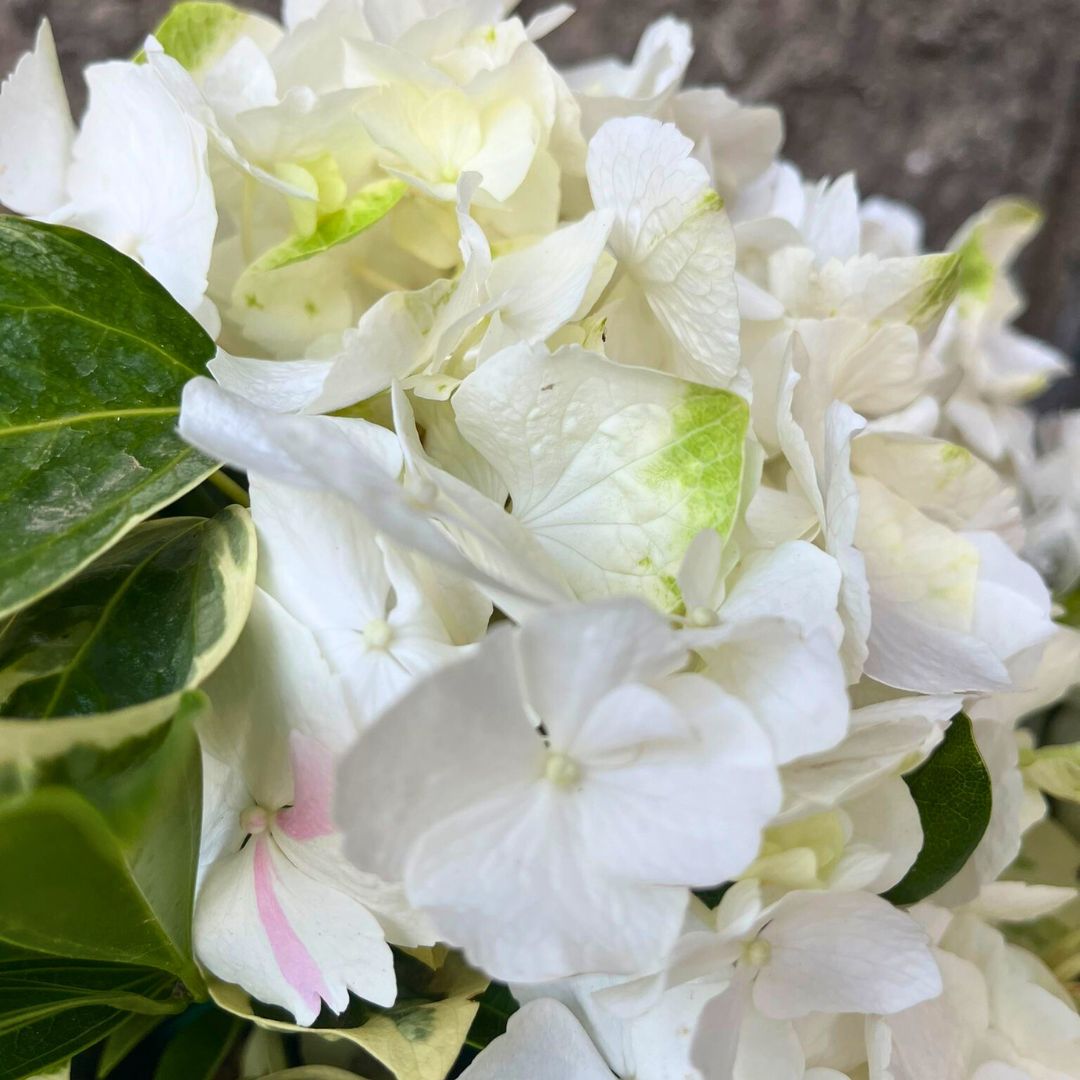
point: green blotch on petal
(197, 31)
(369, 206)
(977, 272)
(712, 200)
(942, 286)
(704, 462)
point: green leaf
(370, 205)
(150, 618)
(48, 1043)
(123, 1039)
(198, 31)
(34, 985)
(495, 1006)
(200, 1047)
(52, 1007)
(951, 790)
(99, 852)
(94, 354)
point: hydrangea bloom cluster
(633, 514)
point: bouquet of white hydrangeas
(654, 565)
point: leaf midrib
(104, 618)
(88, 417)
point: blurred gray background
(943, 103)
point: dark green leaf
(34, 985)
(93, 356)
(153, 616)
(200, 1047)
(99, 854)
(47, 1043)
(952, 792)
(123, 1039)
(496, 1006)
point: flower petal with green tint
(614, 469)
(196, 32)
(369, 206)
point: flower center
(562, 770)
(702, 616)
(377, 634)
(255, 820)
(756, 953)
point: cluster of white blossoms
(632, 513)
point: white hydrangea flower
(381, 616)
(561, 794)
(744, 468)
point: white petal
(571, 657)
(282, 386)
(716, 1041)
(886, 822)
(254, 711)
(543, 1041)
(318, 556)
(139, 178)
(541, 288)
(289, 941)
(673, 236)
(36, 131)
(843, 952)
(795, 581)
(183, 89)
(656, 799)
(510, 882)
(422, 762)
(793, 684)
(883, 737)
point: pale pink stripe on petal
(313, 789)
(296, 963)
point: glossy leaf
(34, 985)
(48, 1043)
(99, 850)
(93, 356)
(152, 617)
(952, 792)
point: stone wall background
(942, 103)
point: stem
(227, 485)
